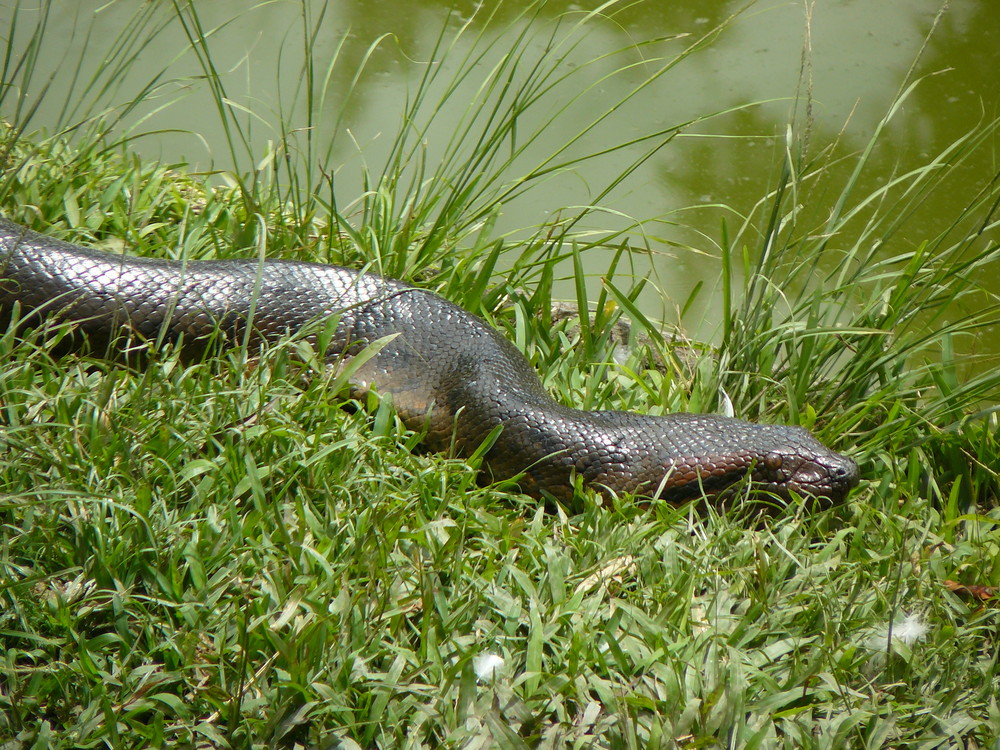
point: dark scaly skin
(447, 372)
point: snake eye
(773, 461)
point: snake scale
(448, 373)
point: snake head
(701, 455)
(806, 467)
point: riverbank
(216, 552)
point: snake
(448, 374)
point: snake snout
(846, 472)
(829, 476)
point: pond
(832, 69)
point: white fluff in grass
(907, 631)
(487, 667)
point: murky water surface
(849, 60)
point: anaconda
(448, 373)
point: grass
(221, 555)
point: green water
(851, 58)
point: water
(852, 58)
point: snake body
(447, 372)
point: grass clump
(220, 555)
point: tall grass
(869, 340)
(218, 554)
